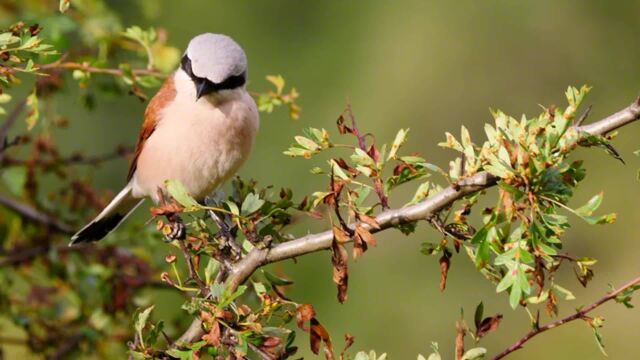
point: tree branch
(243, 269)
(578, 315)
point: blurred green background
(430, 66)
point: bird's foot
(225, 233)
(178, 229)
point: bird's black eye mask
(205, 86)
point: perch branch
(256, 258)
(575, 316)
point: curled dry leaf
(369, 220)
(339, 260)
(317, 333)
(213, 336)
(488, 325)
(445, 263)
(366, 235)
(348, 341)
(166, 210)
(320, 335)
(461, 332)
(304, 313)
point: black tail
(109, 219)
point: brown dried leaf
(552, 301)
(359, 245)
(340, 235)
(213, 336)
(366, 235)
(445, 263)
(166, 210)
(488, 325)
(271, 342)
(339, 260)
(319, 335)
(304, 313)
(342, 128)
(348, 341)
(461, 332)
(369, 220)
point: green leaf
(475, 354)
(233, 208)
(421, 193)
(15, 178)
(566, 294)
(211, 270)
(360, 157)
(478, 316)
(141, 319)
(5, 98)
(251, 204)
(278, 81)
(599, 341)
(34, 113)
(588, 209)
(64, 5)
(307, 143)
(401, 138)
(275, 280)
(180, 194)
(515, 295)
(181, 354)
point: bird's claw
(178, 230)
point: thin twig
(74, 159)
(256, 258)
(577, 315)
(97, 70)
(8, 123)
(262, 354)
(193, 273)
(68, 347)
(35, 215)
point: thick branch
(575, 316)
(242, 270)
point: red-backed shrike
(199, 129)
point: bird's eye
(186, 66)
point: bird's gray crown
(216, 57)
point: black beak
(204, 87)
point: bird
(199, 128)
